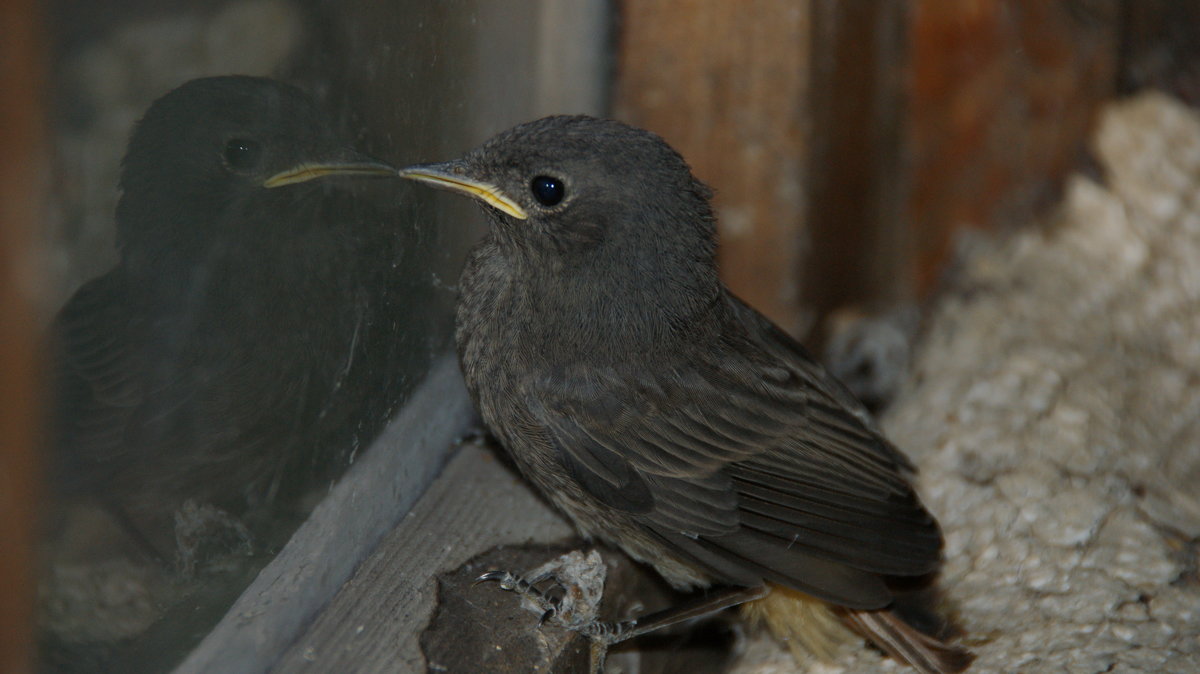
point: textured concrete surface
(1055, 415)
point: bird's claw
(575, 606)
(527, 588)
(512, 582)
(574, 600)
(501, 576)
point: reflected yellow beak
(308, 171)
(450, 176)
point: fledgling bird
(242, 334)
(661, 413)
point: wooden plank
(860, 248)
(726, 83)
(849, 142)
(375, 621)
(363, 506)
(23, 187)
(1003, 96)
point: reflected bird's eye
(548, 191)
(242, 154)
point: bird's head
(575, 186)
(602, 225)
(208, 145)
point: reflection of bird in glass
(661, 413)
(221, 356)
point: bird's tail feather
(900, 640)
(811, 627)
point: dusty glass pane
(229, 332)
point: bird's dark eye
(242, 154)
(548, 191)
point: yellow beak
(451, 176)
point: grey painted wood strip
(363, 506)
(374, 623)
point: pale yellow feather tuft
(806, 625)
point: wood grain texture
(849, 142)
(858, 178)
(363, 506)
(1004, 94)
(375, 621)
(726, 84)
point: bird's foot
(572, 597)
(570, 600)
(204, 526)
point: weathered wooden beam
(375, 622)
(857, 178)
(1003, 95)
(23, 189)
(361, 509)
(727, 84)
(849, 142)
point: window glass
(241, 299)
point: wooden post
(849, 142)
(23, 181)
(1003, 96)
(726, 83)
(857, 181)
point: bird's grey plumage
(671, 405)
(655, 408)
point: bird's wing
(97, 385)
(780, 346)
(747, 462)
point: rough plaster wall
(1055, 414)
